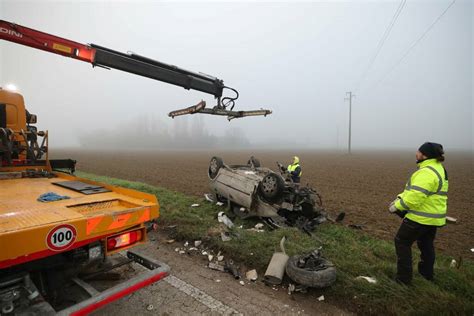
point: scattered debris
(149, 307)
(210, 257)
(197, 243)
(311, 270)
(222, 218)
(368, 279)
(259, 226)
(243, 209)
(176, 249)
(220, 258)
(242, 283)
(472, 249)
(276, 267)
(195, 205)
(225, 236)
(251, 275)
(216, 266)
(181, 252)
(453, 264)
(170, 241)
(209, 197)
(451, 220)
(193, 249)
(233, 269)
(204, 253)
(218, 281)
(321, 298)
(219, 203)
(186, 244)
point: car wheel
(214, 165)
(320, 278)
(271, 187)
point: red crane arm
(47, 42)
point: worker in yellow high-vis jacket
(423, 207)
(294, 169)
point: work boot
(403, 282)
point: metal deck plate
(82, 187)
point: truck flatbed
(30, 229)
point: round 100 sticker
(61, 237)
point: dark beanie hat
(431, 150)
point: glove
(391, 207)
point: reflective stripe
(420, 189)
(429, 215)
(440, 180)
(403, 204)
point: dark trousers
(424, 235)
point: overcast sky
(295, 58)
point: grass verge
(353, 252)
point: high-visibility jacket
(425, 197)
(293, 167)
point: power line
(417, 41)
(382, 41)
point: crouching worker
(295, 170)
(423, 207)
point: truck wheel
(214, 166)
(271, 187)
(318, 279)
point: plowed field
(362, 184)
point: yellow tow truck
(58, 231)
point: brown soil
(362, 184)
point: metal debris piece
(219, 203)
(197, 243)
(451, 220)
(251, 275)
(195, 205)
(321, 298)
(472, 249)
(186, 244)
(216, 266)
(453, 264)
(222, 218)
(204, 253)
(193, 249)
(242, 283)
(210, 257)
(181, 252)
(218, 281)
(176, 249)
(243, 209)
(259, 226)
(368, 279)
(209, 197)
(170, 241)
(220, 258)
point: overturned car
(255, 191)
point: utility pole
(349, 98)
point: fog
(296, 58)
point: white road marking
(202, 297)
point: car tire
(214, 165)
(271, 187)
(318, 279)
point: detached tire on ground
(214, 165)
(318, 279)
(271, 187)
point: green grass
(353, 252)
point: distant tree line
(145, 132)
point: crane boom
(131, 63)
(105, 57)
